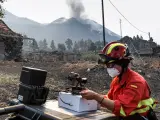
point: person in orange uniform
(129, 94)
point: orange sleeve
(110, 92)
(129, 99)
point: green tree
(69, 44)
(92, 47)
(88, 44)
(141, 37)
(45, 45)
(137, 37)
(134, 38)
(81, 44)
(40, 44)
(1, 9)
(52, 45)
(75, 47)
(33, 45)
(99, 45)
(61, 47)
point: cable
(127, 19)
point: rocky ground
(98, 80)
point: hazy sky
(142, 13)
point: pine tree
(34, 45)
(40, 44)
(141, 37)
(69, 44)
(52, 45)
(137, 37)
(45, 45)
(134, 38)
(75, 47)
(1, 9)
(92, 47)
(99, 45)
(61, 47)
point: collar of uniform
(125, 76)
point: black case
(33, 76)
(32, 95)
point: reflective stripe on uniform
(148, 103)
(122, 113)
(112, 46)
(154, 106)
(143, 110)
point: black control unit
(32, 95)
(33, 76)
(31, 88)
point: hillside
(60, 29)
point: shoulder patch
(134, 86)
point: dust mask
(113, 72)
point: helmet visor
(105, 59)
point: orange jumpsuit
(128, 93)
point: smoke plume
(76, 8)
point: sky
(141, 13)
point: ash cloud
(76, 8)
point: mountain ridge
(59, 29)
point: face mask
(113, 72)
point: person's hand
(88, 94)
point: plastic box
(76, 102)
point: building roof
(6, 31)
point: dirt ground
(98, 79)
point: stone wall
(139, 46)
(51, 57)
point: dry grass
(77, 66)
(150, 62)
(6, 79)
(8, 87)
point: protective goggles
(105, 59)
(110, 65)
